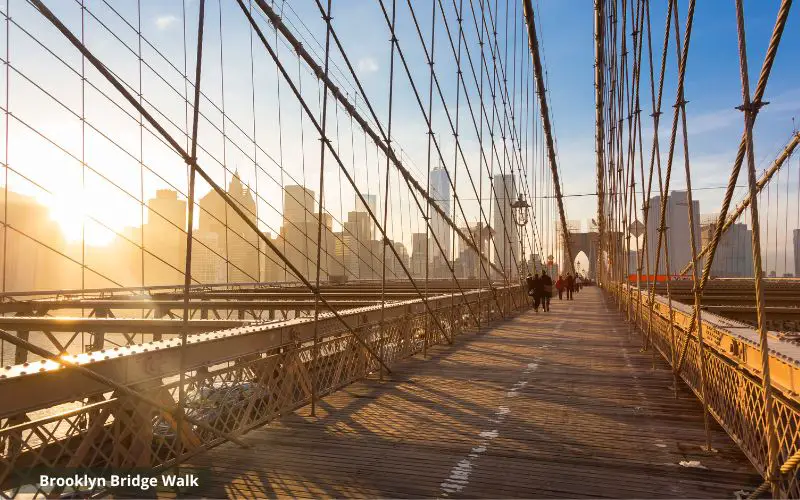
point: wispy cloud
(713, 121)
(367, 65)
(164, 22)
(786, 102)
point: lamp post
(520, 208)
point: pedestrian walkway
(559, 404)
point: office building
(440, 191)
(506, 241)
(677, 235)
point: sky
(126, 163)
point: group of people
(540, 288)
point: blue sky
(259, 104)
(713, 87)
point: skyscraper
(677, 235)
(208, 263)
(237, 241)
(418, 244)
(300, 234)
(31, 265)
(356, 247)
(504, 193)
(734, 255)
(440, 191)
(165, 238)
(372, 203)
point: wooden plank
(550, 405)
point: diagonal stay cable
(58, 24)
(537, 66)
(761, 86)
(380, 143)
(339, 162)
(275, 20)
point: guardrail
(733, 387)
(235, 380)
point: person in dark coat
(570, 286)
(547, 291)
(560, 284)
(537, 291)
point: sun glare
(70, 212)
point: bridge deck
(554, 405)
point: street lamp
(520, 208)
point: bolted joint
(681, 103)
(753, 107)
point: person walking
(538, 291)
(547, 291)
(560, 287)
(570, 286)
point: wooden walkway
(544, 405)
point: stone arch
(582, 263)
(585, 243)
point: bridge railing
(234, 380)
(733, 388)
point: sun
(72, 213)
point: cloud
(788, 101)
(367, 65)
(714, 121)
(164, 22)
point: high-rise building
(419, 242)
(506, 241)
(633, 262)
(677, 235)
(404, 258)
(298, 204)
(208, 263)
(734, 255)
(239, 243)
(301, 233)
(165, 238)
(796, 237)
(31, 264)
(440, 191)
(372, 203)
(468, 265)
(299, 229)
(357, 250)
